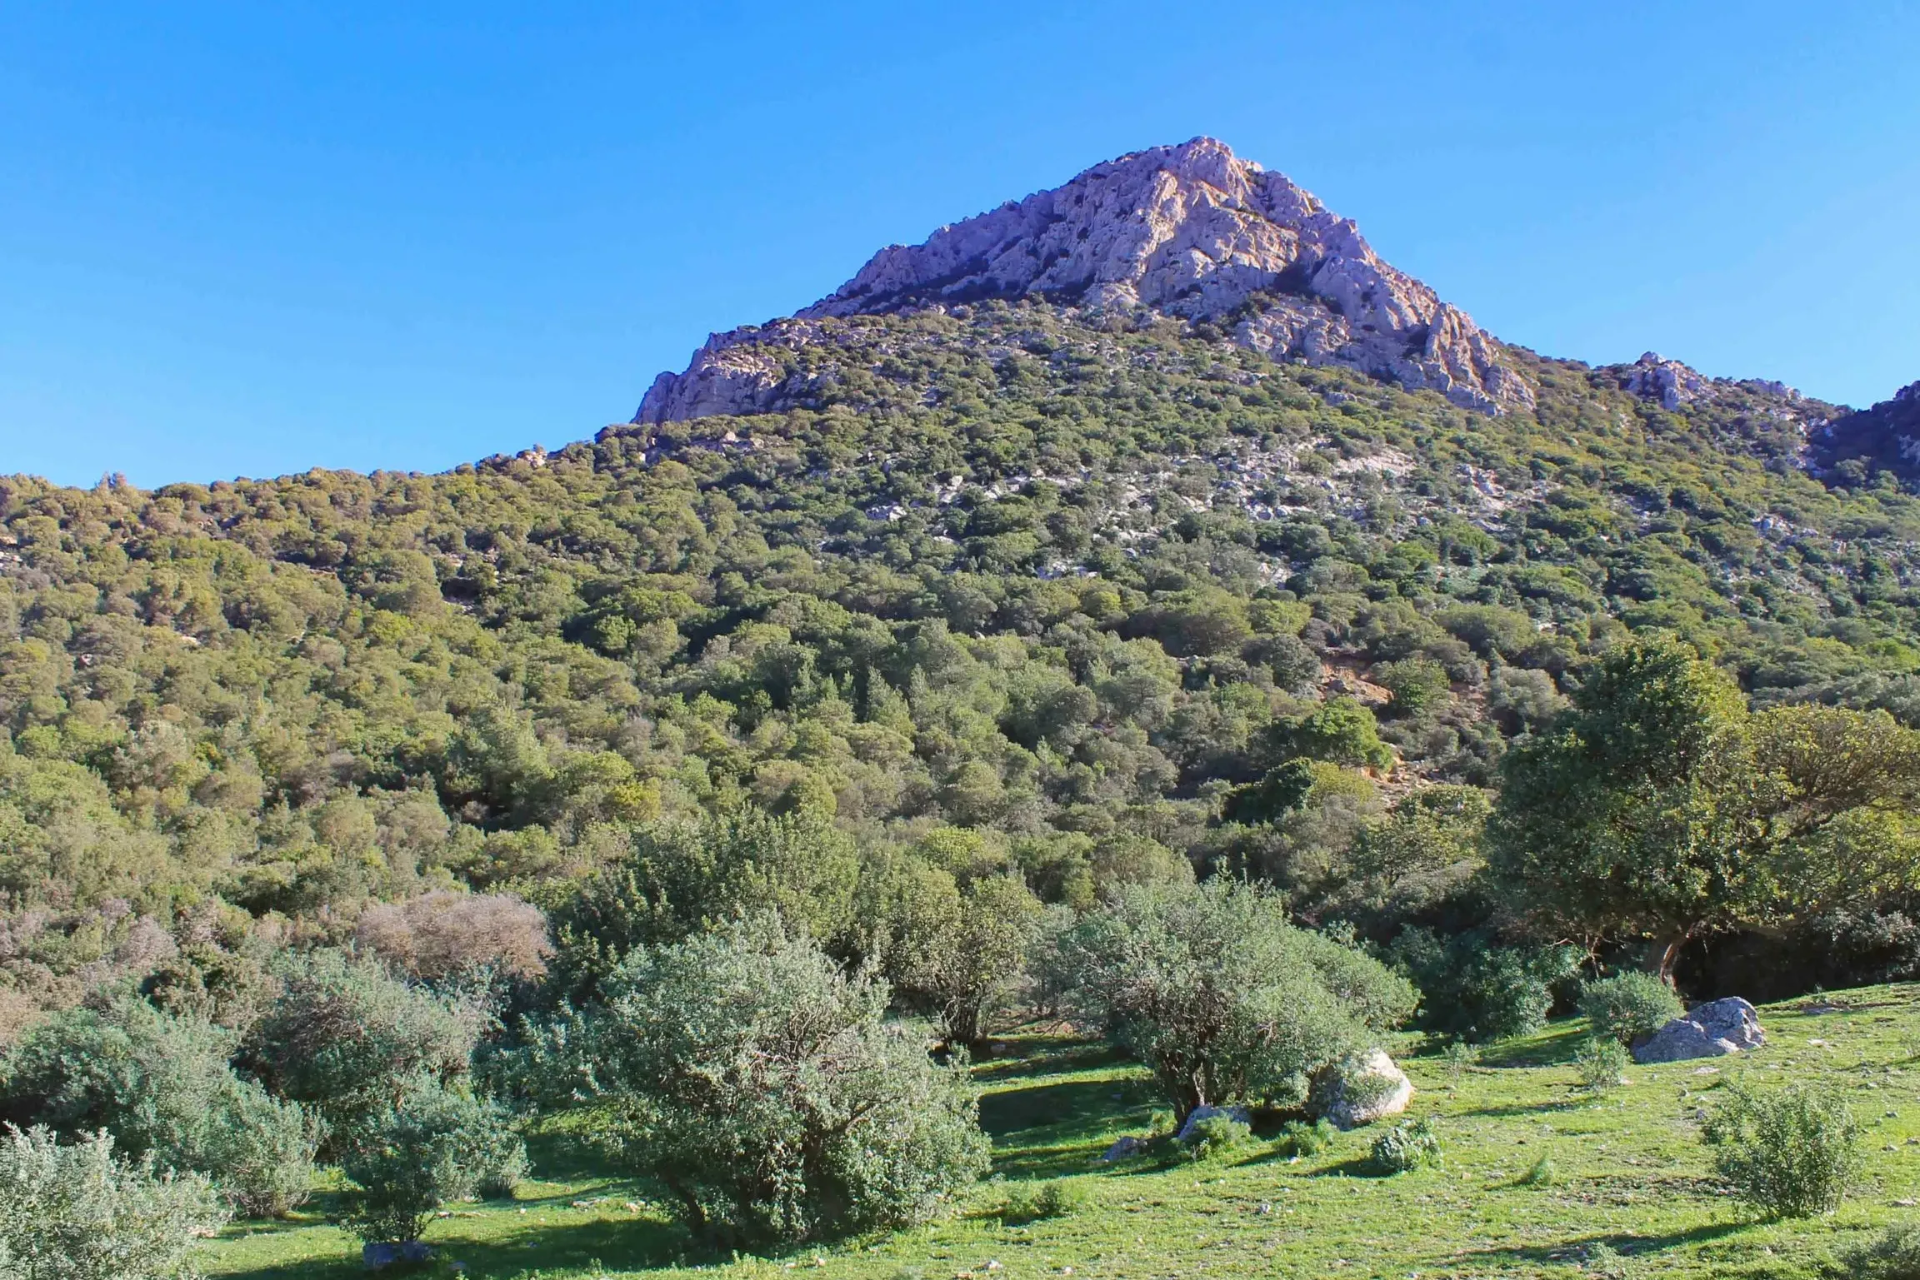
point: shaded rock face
(1190, 231)
(1359, 1092)
(1705, 1031)
(1884, 437)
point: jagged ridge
(1191, 232)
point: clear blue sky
(246, 239)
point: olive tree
(766, 1090)
(1219, 995)
(432, 1146)
(163, 1086)
(79, 1212)
(1659, 808)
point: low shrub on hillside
(162, 1086)
(1298, 1138)
(1216, 1137)
(767, 1089)
(1409, 1145)
(1628, 1006)
(1789, 1154)
(1219, 994)
(79, 1212)
(432, 1147)
(1028, 1202)
(1601, 1062)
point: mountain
(1063, 527)
(1191, 232)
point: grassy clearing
(1541, 1178)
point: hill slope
(1047, 535)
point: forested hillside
(1063, 585)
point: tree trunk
(1664, 952)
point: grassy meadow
(1541, 1178)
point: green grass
(1629, 1178)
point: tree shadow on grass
(634, 1245)
(1552, 1048)
(1625, 1242)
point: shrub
(1219, 995)
(1894, 1255)
(445, 935)
(1600, 1062)
(434, 1146)
(1477, 991)
(1460, 1056)
(768, 1090)
(78, 1212)
(346, 1038)
(1628, 1006)
(1543, 1173)
(1409, 1145)
(162, 1086)
(1298, 1138)
(1027, 1202)
(1216, 1137)
(1789, 1154)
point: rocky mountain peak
(1190, 231)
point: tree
(1659, 808)
(1339, 731)
(680, 877)
(433, 1146)
(163, 1087)
(1219, 995)
(766, 1089)
(348, 1039)
(970, 972)
(80, 1212)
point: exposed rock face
(1359, 1092)
(1668, 381)
(1190, 231)
(1705, 1031)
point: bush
(1216, 1137)
(434, 1146)
(1219, 995)
(1542, 1173)
(768, 1090)
(79, 1212)
(162, 1086)
(1409, 1145)
(1298, 1138)
(1790, 1154)
(1628, 1006)
(1895, 1255)
(1029, 1203)
(345, 1037)
(1477, 991)
(1601, 1062)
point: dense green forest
(1026, 622)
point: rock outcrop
(1705, 1031)
(1361, 1091)
(1191, 232)
(1672, 384)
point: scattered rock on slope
(1705, 1031)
